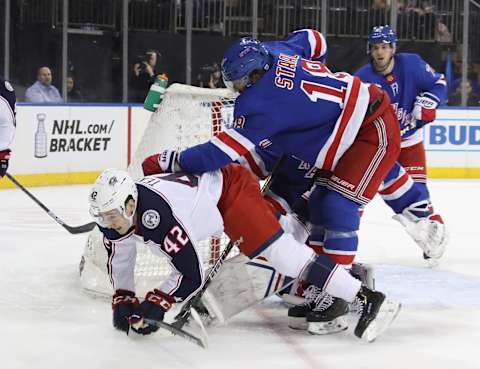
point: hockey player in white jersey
(171, 213)
(7, 123)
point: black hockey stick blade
(73, 230)
(200, 341)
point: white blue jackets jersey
(174, 213)
(298, 106)
(410, 77)
(7, 114)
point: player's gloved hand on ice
(123, 305)
(153, 308)
(4, 158)
(424, 110)
(165, 162)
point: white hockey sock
(289, 256)
(342, 284)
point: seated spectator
(143, 76)
(43, 91)
(73, 94)
(455, 99)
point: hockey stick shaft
(184, 314)
(273, 174)
(73, 230)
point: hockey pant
(248, 216)
(335, 202)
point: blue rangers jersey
(295, 176)
(174, 213)
(410, 77)
(299, 106)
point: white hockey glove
(428, 232)
(424, 110)
(164, 162)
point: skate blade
(431, 262)
(299, 323)
(386, 315)
(334, 326)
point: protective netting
(187, 116)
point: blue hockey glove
(154, 307)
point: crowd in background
(425, 23)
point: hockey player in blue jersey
(172, 213)
(296, 106)
(7, 123)
(416, 91)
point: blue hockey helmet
(381, 35)
(241, 59)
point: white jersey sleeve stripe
(233, 143)
(346, 127)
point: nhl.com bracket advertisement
(72, 144)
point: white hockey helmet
(111, 191)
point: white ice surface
(47, 322)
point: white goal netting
(187, 116)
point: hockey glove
(152, 309)
(424, 110)
(4, 158)
(165, 162)
(123, 305)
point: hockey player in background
(171, 213)
(7, 123)
(415, 91)
(292, 105)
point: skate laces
(356, 306)
(324, 301)
(312, 294)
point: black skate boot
(376, 315)
(328, 316)
(297, 314)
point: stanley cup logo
(40, 150)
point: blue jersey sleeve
(307, 43)
(431, 83)
(203, 158)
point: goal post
(187, 116)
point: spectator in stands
(417, 18)
(473, 99)
(73, 94)
(210, 76)
(144, 72)
(43, 91)
(442, 33)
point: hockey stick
(73, 230)
(184, 315)
(200, 341)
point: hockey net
(187, 116)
